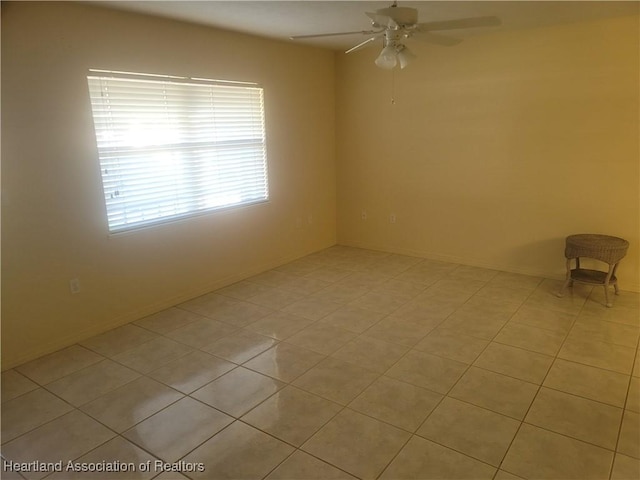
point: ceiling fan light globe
(386, 61)
(405, 56)
(387, 58)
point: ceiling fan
(395, 24)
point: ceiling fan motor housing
(401, 15)
(393, 37)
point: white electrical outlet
(392, 218)
(74, 285)
(363, 215)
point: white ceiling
(281, 19)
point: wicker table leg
(567, 281)
(606, 286)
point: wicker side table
(601, 247)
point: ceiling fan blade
(363, 44)
(460, 23)
(319, 35)
(383, 20)
(437, 39)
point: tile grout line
(345, 407)
(506, 452)
(540, 387)
(624, 411)
(446, 395)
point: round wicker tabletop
(601, 247)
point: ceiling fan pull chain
(393, 87)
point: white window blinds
(172, 147)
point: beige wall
(53, 220)
(495, 149)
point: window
(173, 147)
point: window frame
(199, 165)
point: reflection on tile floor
(347, 363)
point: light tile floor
(346, 363)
